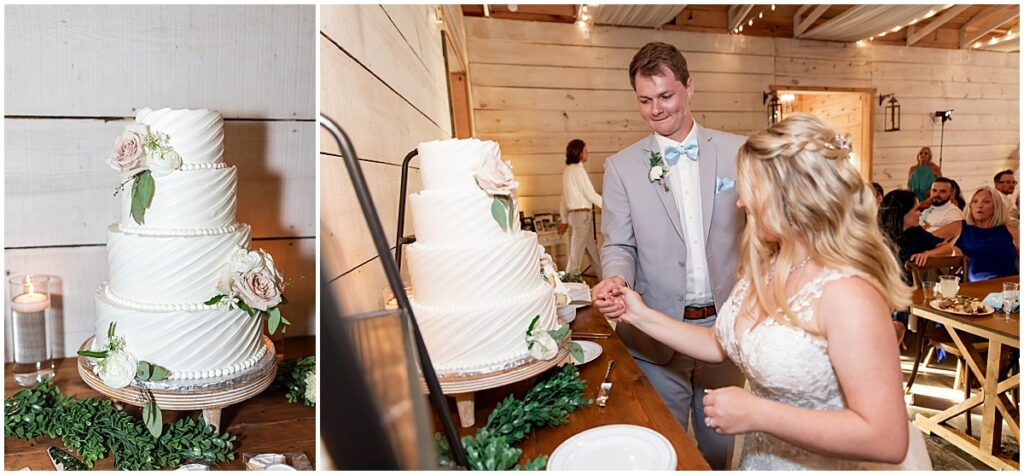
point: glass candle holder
(30, 303)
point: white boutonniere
(659, 170)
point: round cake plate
(209, 395)
(462, 388)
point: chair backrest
(946, 265)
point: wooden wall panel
(245, 61)
(75, 77)
(384, 82)
(538, 85)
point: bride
(809, 319)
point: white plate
(591, 351)
(614, 447)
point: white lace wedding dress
(788, 365)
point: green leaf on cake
(244, 306)
(142, 371)
(533, 323)
(150, 372)
(576, 351)
(142, 195)
(498, 212)
(159, 373)
(273, 320)
(92, 354)
(214, 300)
(559, 334)
(153, 419)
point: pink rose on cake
(129, 155)
(258, 288)
(495, 177)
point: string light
(773, 8)
(896, 28)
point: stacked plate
(614, 447)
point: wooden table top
(266, 423)
(993, 326)
(632, 401)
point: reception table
(263, 424)
(632, 401)
(1002, 335)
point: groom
(673, 239)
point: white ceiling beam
(738, 13)
(800, 26)
(986, 22)
(916, 33)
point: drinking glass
(1011, 292)
(928, 287)
(949, 285)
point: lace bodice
(787, 364)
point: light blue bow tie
(689, 149)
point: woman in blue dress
(990, 244)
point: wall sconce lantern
(892, 112)
(771, 99)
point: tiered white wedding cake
(168, 259)
(477, 278)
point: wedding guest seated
(1006, 183)
(940, 210)
(990, 244)
(898, 217)
(879, 191)
(958, 198)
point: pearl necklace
(796, 267)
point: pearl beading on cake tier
(160, 307)
(500, 269)
(448, 164)
(199, 199)
(185, 167)
(483, 337)
(452, 217)
(205, 344)
(176, 231)
(169, 269)
(195, 134)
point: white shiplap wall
(75, 75)
(538, 85)
(383, 80)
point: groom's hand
(602, 297)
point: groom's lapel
(668, 200)
(708, 160)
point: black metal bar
(437, 399)
(400, 239)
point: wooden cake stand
(463, 388)
(208, 395)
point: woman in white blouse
(578, 198)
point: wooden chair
(938, 338)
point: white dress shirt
(936, 217)
(684, 184)
(577, 190)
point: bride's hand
(633, 308)
(730, 410)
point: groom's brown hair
(652, 56)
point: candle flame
(28, 281)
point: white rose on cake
(164, 163)
(258, 288)
(542, 346)
(244, 260)
(129, 154)
(118, 369)
(495, 177)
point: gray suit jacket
(643, 238)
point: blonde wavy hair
(797, 182)
(1000, 215)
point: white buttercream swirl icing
(448, 164)
(197, 135)
(198, 199)
(144, 231)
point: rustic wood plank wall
(384, 82)
(538, 85)
(76, 75)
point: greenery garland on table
(93, 427)
(298, 378)
(547, 404)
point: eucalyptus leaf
(559, 334)
(273, 320)
(143, 190)
(498, 212)
(159, 373)
(216, 299)
(576, 351)
(153, 419)
(142, 371)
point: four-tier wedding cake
(176, 247)
(477, 278)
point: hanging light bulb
(760, 14)
(741, 28)
(860, 43)
(930, 14)
(977, 45)
(751, 22)
(773, 8)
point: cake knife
(606, 385)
